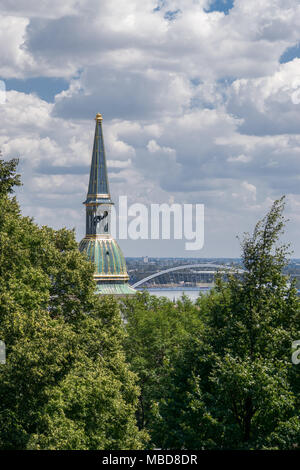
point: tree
(8, 176)
(156, 329)
(230, 383)
(253, 373)
(65, 384)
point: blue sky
(201, 104)
(44, 87)
(221, 5)
(290, 54)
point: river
(175, 293)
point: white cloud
(153, 147)
(14, 59)
(196, 109)
(42, 9)
(240, 159)
(63, 37)
(250, 190)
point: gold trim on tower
(112, 277)
(98, 236)
(100, 196)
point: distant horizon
(196, 257)
(200, 103)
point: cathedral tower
(110, 267)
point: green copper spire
(98, 190)
(98, 244)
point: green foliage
(8, 176)
(156, 329)
(65, 384)
(215, 374)
(226, 380)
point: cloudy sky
(200, 99)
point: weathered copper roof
(115, 289)
(107, 257)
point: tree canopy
(65, 384)
(225, 379)
(214, 374)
